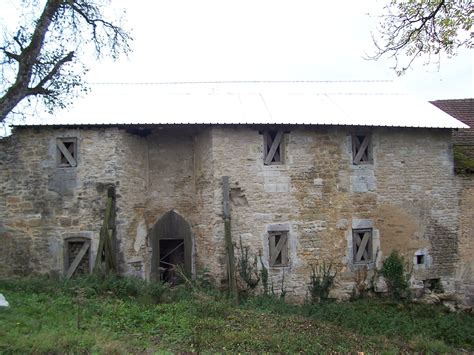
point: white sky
(221, 40)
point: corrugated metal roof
(356, 103)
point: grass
(118, 315)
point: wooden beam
(230, 260)
(226, 197)
(105, 242)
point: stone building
(463, 144)
(341, 173)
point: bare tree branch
(411, 29)
(43, 58)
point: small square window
(420, 259)
(362, 245)
(273, 147)
(361, 148)
(278, 249)
(66, 152)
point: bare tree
(413, 28)
(41, 59)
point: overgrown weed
(195, 317)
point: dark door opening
(171, 258)
(171, 242)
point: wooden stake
(228, 240)
(105, 248)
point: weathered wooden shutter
(66, 152)
(278, 249)
(361, 149)
(272, 141)
(77, 256)
(362, 245)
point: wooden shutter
(77, 256)
(361, 149)
(272, 141)
(362, 245)
(278, 249)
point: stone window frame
(362, 139)
(274, 146)
(73, 239)
(66, 152)
(424, 256)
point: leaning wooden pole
(229, 246)
(105, 260)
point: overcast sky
(216, 40)
(220, 40)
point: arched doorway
(171, 246)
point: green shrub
(321, 280)
(264, 276)
(393, 270)
(248, 270)
(59, 320)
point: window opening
(278, 249)
(420, 259)
(433, 285)
(362, 241)
(361, 149)
(171, 258)
(67, 152)
(273, 150)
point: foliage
(361, 287)
(462, 162)
(393, 270)
(417, 324)
(427, 27)
(40, 60)
(321, 280)
(94, 285)
(264, 276)
(252, 275)
(248, 270)
(42, 319)
(282, 287)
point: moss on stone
(462, 162)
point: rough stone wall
(132, 187)
(42, 204)
(209, 248)
(420, 215)
(160, 177)
(408, 196)
(464, 275)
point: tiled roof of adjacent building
(463, 110)
(355, 103)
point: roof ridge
(450, 100)
(241, 82)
